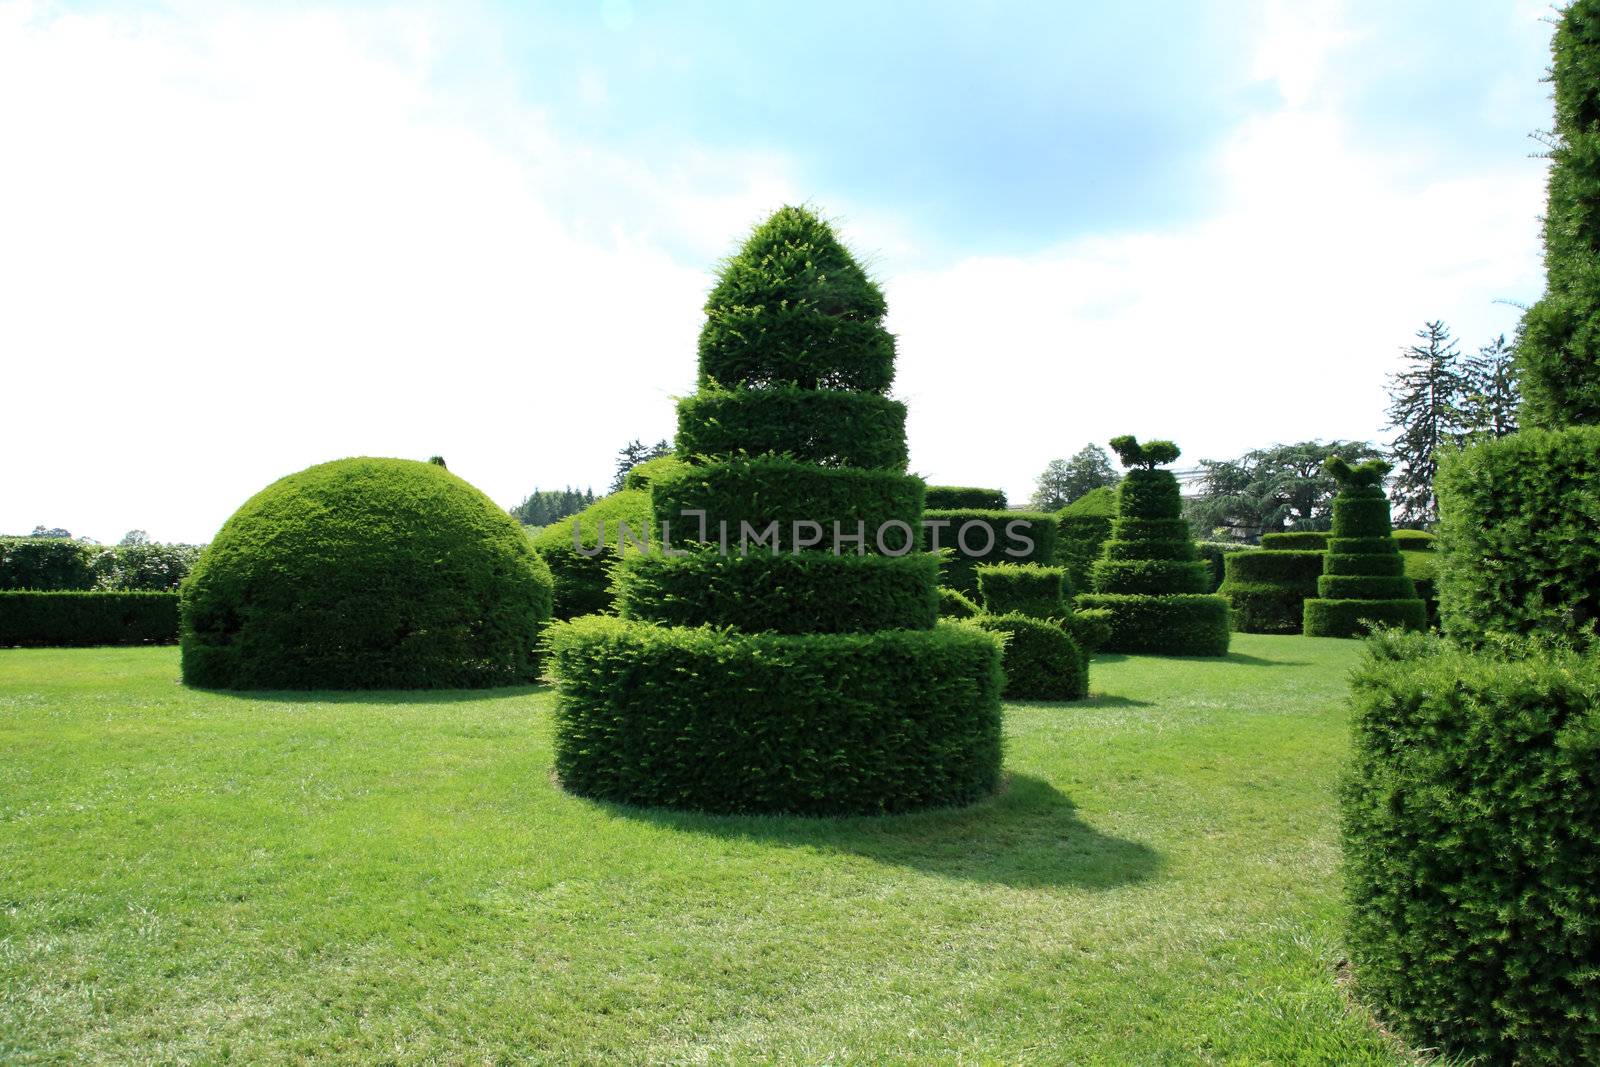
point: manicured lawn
(194, 876)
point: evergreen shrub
(1363, 581)
(1268, 589)
(583, 579)
(1029, 589)
(964, 498)
(988, 539)
(1041, 659)
(1296, 541)
(833, 428)
(1081, 529)
(365, 574)
(954, 604)
(73, 617)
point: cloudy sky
(239, 240)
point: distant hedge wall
(964, 498)
(30, 617)
(988, 528)
(1082, 527)
(1296, 541)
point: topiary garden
(365, 574)
(1363, 582)
(782, 652)
(1149, 579)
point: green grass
(394, 877)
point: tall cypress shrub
(1149, 578)
(781, 650)
(1363, 575)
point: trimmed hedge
(1148, 577)
(36, 617)
(991, 530)
(1082, 527)
(807, 593)
(46, 563)
(1471, 833)
(366, 574)
(1193, 624)
(583, 582)
(1041, 660)
(1414, 540)
(1268, 589)
(768, 489)
(1214, 554)
(1024, 588)
(1423, 570)
(831, 428)
(954, 604)
(1520, 536)
(1363, 581)
(1296, 541)
(964, 498)
(642, 475)
(762, 723)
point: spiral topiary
(365, 574)
(1149, 578)
(1363, 579)
(781, 676)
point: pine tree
(1425, 406)
(1493, 392)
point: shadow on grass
(1027, 835)
(1101, 700)
(1258, 661)
(376, 696)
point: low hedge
(1296, 541)
(822, 724)
(1193, 624)
(1267, 589)
(1041, 660)
(1518, 545)
(991, 529)
(812, 592)
(583, 582)
(1414, 540)
(1355, 618)
(1215, 554)
(771, 489)
(1301, 569)
(1023, 588)
(1090, 627)
(1471, 835)
(829, 427)
(39, 618)
(964, 498)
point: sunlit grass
(199, 876)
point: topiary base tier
(1268, 589)
(820, 724)
(1354, 618)
(1185, 624)
(1041, 660)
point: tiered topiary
(1081, 531)
(1363, 579)
(1027, 604)
(800, 668)
(365, 574)
(1148, 577)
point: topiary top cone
(365, 574)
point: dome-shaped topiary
(366, 574)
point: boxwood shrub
(33, 617)
(583, 580)
(1192, 624)
(1519, 552)
(365, 574)
(1296, 541)
(1471, 832)
(807, 593)
(964, 498)
(831, 427)
(988, 540)
(754, 723)
(1268, 589)
(1027, 588)
(1041, 659)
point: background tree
(1492, 391)
(135, 537)
(545, 506)
(1425, 405)
(1267, 490)
(634, 453)
(1065, 480)
(51, 531)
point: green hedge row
(1471, 830)
(808, 593)
(767, 489)
(1520, 551)
(828, 427)
(1026, 588)
(988, 540)
(820, 724)
(1180, 625)
(33, 617)
(1041, 659)
(964, 498)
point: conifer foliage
(810, 675)
(1363, 575)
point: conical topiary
(1149, 578)
(781, 652)
(1363, 575)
